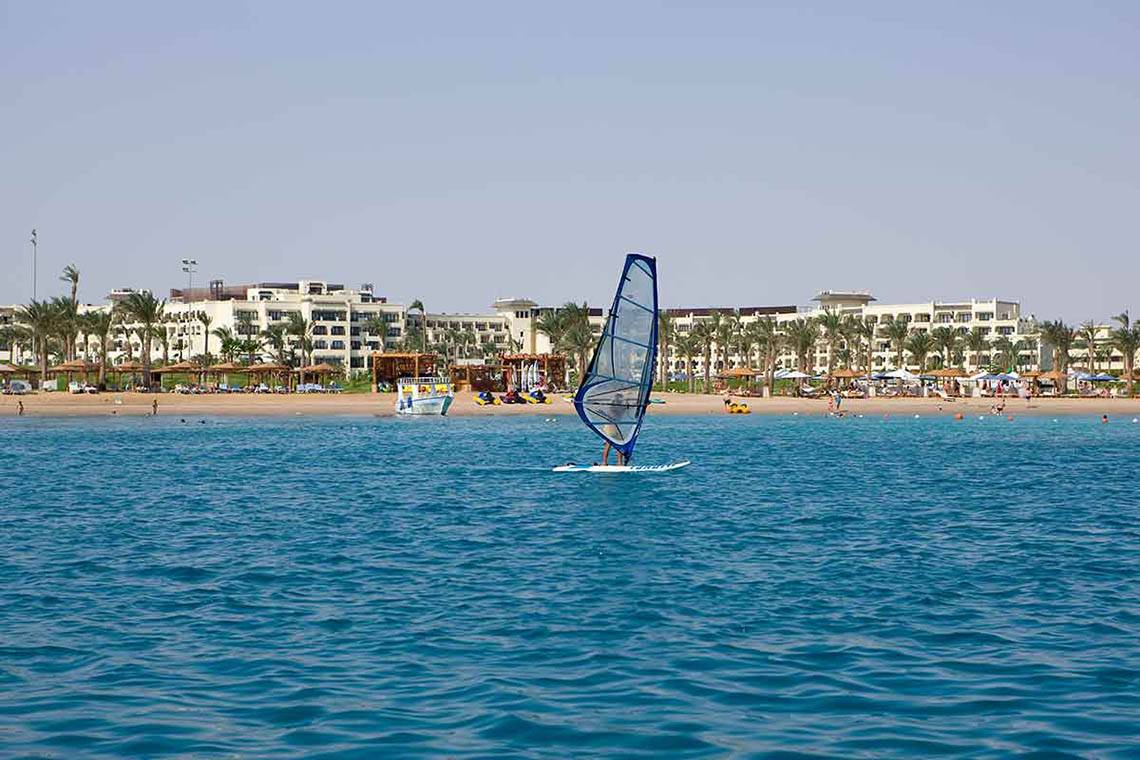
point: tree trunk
(102, 360)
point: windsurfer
(617, 411)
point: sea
(364, 587)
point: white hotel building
(339, 317)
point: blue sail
(615, 391)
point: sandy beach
(382, 404)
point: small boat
(424, 395)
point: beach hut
(1056, 378)
(130, 367)
(477, 377)
(269, 370)
(388, 367)
(320, 372)
(223, 371)
(517, 368)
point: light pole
(34, 244)
(188, 267)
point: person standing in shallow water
(154, 408)
(19, 408)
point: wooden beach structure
(476, 377)
(388, 367)
(551, 366)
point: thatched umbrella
(133, 367)
(946, 372)
(319, 370)
(75, 366)
(271, 369)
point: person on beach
(154, 408)
(19, 408)
(617, 411)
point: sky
(460, 152)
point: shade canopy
(183, 366)
(129, 366)
(318, 369)
(794, 374)
(228, 367)
(262, 368)
(1055, 376)
(899, 374)
(8, 369)
(947, 372)
(740, 372)
(75, 365)
(845, 373)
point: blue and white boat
(424, 395)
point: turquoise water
(367, 587)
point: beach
(383, 404)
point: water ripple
(316, 588)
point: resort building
(348, 325)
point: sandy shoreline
(136, 404)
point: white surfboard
(616, 468)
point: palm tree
(1087, 336)
(146, 310)
(716, 330)
(301, 329)
(920, 344)
(276, 335)
(666, 329)
(1005, 352)
(251, 345)
(578, 337)
(206, 321)
(159, 332)
(946, 340)
(100, 324)
(687, 347)
(1126, 340)
(803, 334)
(12, 337)
(770, 338)
(418, 305)
(862, 333)
(702, 334)
(832, 323)
(376, 327)
(39, 318)
(552, 324)
(228, 340)
(976, 342)
(71, 275)
(896, 331)
(1061, 338)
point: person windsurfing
(617, 409)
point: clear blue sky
(459, 152)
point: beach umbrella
(780, 374)
(794, 374)
(900, 374)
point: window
(320, 330)
(356, 362)
(393, 332)
(354, 331)
(338, 345)
(338, 330)
(985, 316)
(320, 344)
(355, 345)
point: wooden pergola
(477, 377)
(550, 365)
(390, 367)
